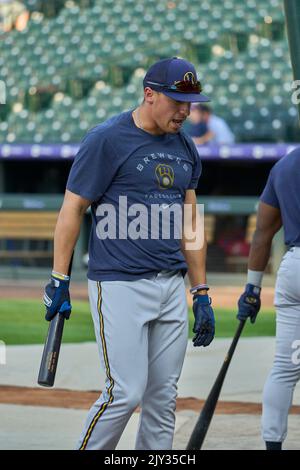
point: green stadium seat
(93, 54)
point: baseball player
(279, 205)
(138, 159)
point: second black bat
(202, 425)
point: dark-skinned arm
(268, 223)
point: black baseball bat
(202, 425)
(52, 347)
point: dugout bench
(215, 206)
(27, 234)
(27, 223)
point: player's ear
(149, 95)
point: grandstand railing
(253, 151)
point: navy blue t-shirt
(117, 159)
(283, 191)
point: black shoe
(273, 445)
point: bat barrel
(52, 346)
(51, 352)
(202, 425)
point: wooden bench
(27, 226)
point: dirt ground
(60, 398)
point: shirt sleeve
(94, 167)
(269, 194)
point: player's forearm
(65, 237)
(196, 261)
(260, 251)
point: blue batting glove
(57, 298)
(204, 326)
(249, 303)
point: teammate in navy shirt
(282, 192)
(279, 206)
(138, 171)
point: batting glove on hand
(204, 325)
(57, 298)
(249, 303)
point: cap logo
(188, 77)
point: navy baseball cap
(175, 78)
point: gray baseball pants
(141, 330)
(285, 373)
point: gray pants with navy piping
(141, 329)
(285, 373)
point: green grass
(227, 323)
(22, 322)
